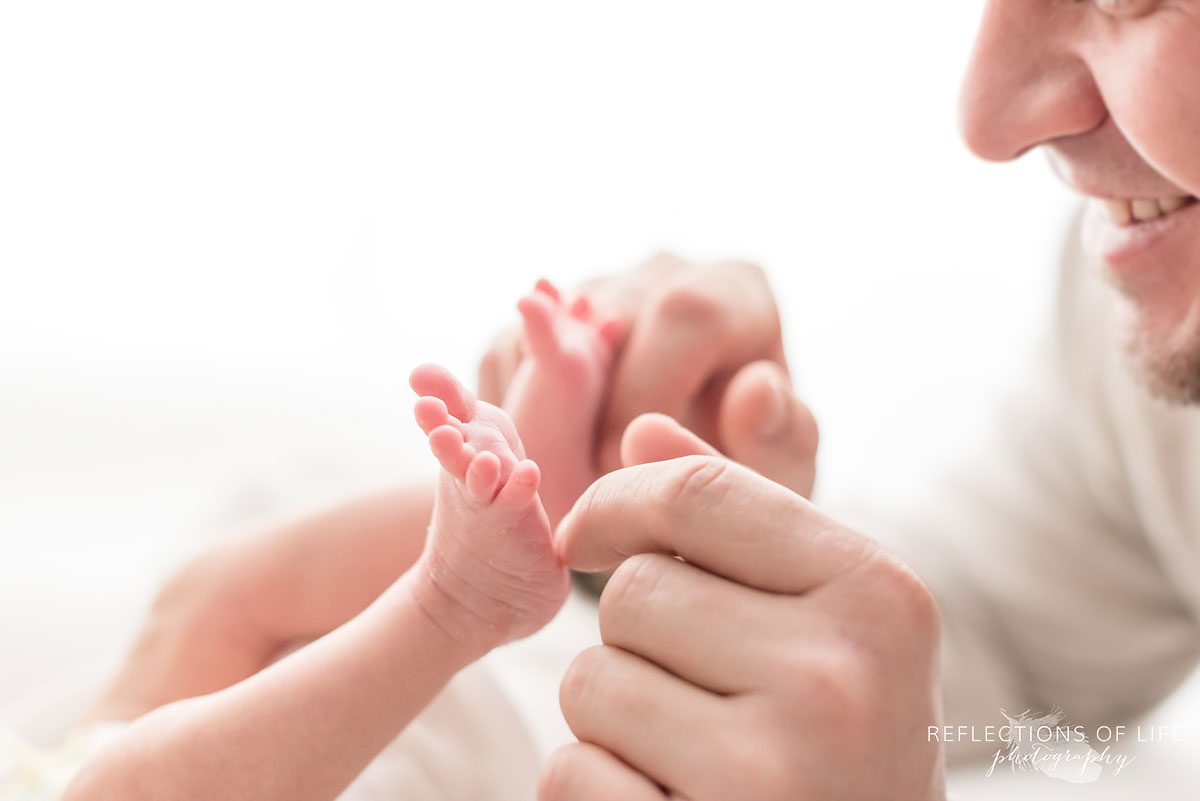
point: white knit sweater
(1065, 551)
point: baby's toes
(482, 475)
(544, 286)
(521, 488)
(451, 450)
(610, 330)
(581, 308)
(539, 314)
(431, 413)
(438, 382)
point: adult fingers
(586, 772)
(653, 603)
(622, 296)
(765, 427)
(656, 438)
(699, 325)
(714, 513)
(652, 438)
(637, 711)
(784, 453)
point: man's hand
(786, 658)
(702, 344)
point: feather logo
(1043, 743)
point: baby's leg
(489, 547)
(236, 608)
(556, 394)
(303, 728)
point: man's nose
(1026, 83)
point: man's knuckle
(848, 552)
(836, 688)
(579, 680)
(597, 683)
(745, 754)
(771, 778)
(698, 481)
(748, 764)
(631, 585)
(828, 689)
(557, 781)
(907, 601)
(687, 303)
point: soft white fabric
(30, 773)
(469, 744)
(1065, 551)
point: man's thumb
(656, 438)
(765, 427)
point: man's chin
(1165, 362)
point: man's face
(1111, 90)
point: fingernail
(562, 525)
(776, 417)
(558, 544)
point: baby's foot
(554, 397)
(489, 549)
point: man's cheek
(1155, 100)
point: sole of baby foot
(489, 567)
(489, 560)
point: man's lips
(1143, 254)
(1144, 227)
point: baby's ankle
(470, 625)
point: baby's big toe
(430, 380)
(547, 288)
(539, 314)
(581, 308)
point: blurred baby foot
(488, 551)
(555, 395)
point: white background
(228, 230)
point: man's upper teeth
(1124, 212)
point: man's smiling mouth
(1124, 212)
